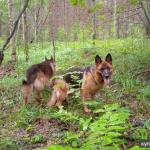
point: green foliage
(65, 115)
(26, 115)
(96, 7)
(3, 9)
(134, 2)
(147, 124)
(107, 129)
(8, 144)
(27, 138)
(61, 35)
(145, 92)
(102, 17)
(57, 147)
(102, 132)
(72, 139)
(137, 148)
(37, 138)
(140, 133)
(80, 3)
(120, 8)
(30, 128)
(128, 84)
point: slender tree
(93, 21)
(12, 40)
(1, 14)
(25, 34)
(36, 18)
(147, 18)
(115, 29)
(12, 33)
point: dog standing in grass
(37, 77)
(92, 79)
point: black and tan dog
(92, 79)
(37, 77)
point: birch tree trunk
(148, 23)
(12, 40)
(126, 18)
(115, 28)
(147, 18)
(109, 25)
(36, 18)
(1, 14)
(25, 35)
(12, 33)
(93, 22)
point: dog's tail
(26, 90)
(24, 82)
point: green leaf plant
(102, 132)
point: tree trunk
(126, 24)
(1, 14)
(109, 25)
(25, 35)
(115, 28)
(12, 40)
(93, 22)
(148, 31)
(147, 19)
(36, 18)
(12, 33)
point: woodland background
(64, 20)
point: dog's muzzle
(106, 78)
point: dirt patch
(146, 73)
(7, 69)
(49, 130)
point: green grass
(33, 126)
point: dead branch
(147, 18)
(12, 33)
(41, 24)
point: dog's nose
(106, 76)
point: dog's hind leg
(61, 97)
(53, 98)
(59, 93)
(38, 96)
(58, 96)
(26, 91)
(39, 87)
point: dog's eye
(102, 69)
(107, 68)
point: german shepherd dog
(37, 77)
(93, 79)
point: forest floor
(33, 126)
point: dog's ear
(98, 60)
(46, 58)
(52, 59)
(108, 59)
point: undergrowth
(120, 112)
